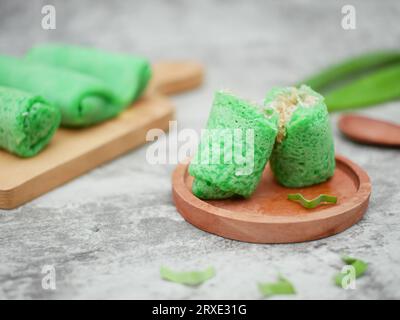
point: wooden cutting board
(73, 152)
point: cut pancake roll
(304, 151)
(234, 148)
(27, 122)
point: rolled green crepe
(205, 190)
(304, 151)
(82, 100)
(234, 148)
(27, 122)
(126, 75)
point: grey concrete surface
(108, 232)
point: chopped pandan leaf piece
(360, 267)
(281, 287)
(190, 278)
(310, 204)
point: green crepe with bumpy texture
(238, 128)
(304, 152)
(206, 190)
(27, 122)
(125, 74)
(82, 100)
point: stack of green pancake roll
(292, 130)
(360, 81)
(85, 86)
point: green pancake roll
(27, 122)
(82, 100)
(304, 152)
(126, 75)
(205, 190)
(234, 148)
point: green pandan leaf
(281, 287)
(377, 87)
(360, 267)
(351, 68)
(310, 204)
(190, 278)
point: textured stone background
(108, 232)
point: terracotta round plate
(268, 217)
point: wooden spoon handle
(370, 131)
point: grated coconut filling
(286, 103)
